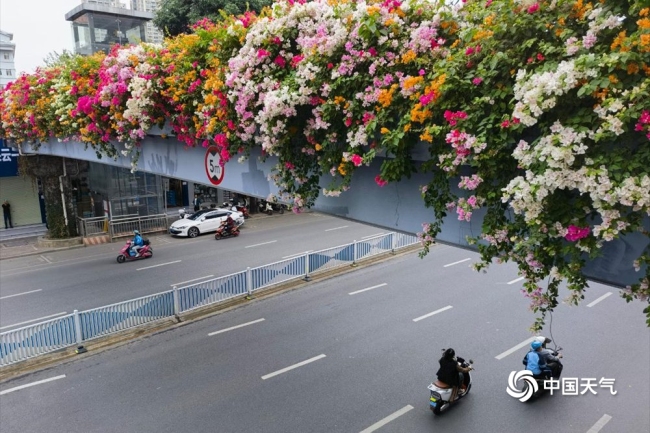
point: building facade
(154, 34)
(7, 53)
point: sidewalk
(21, 241)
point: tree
(176, 16)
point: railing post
(354, 253)
(393, 239)
(177, 302)
(306, 277)
(249, 282)
(77, 326)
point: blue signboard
(8, 160)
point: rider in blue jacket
(137, 243)
(534, 360)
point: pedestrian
(197, 202)
(6, 212)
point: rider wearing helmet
(451, 372)
(137, 243)
(534, 360)
(551, 359)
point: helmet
(135, 232)
(535, 345)
(542, 339)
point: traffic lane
(200, 260)
(337, 320)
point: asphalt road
(35, 288)
(363, 347)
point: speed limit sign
(213, 167)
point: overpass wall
(395, 207)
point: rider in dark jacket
(451, 372)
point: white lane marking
(514, 349)
(515, 281)
(291, 367)
(257, 245)
(388, 419)
(27, 385)
(372, 236)
(336, 228)
(194, 279)
(600, 424)
(599, 299)
(162, 264)
(431, 314)
(455, 263)
(45, 258)
(20, 294)
(369, 288)
(297, 254)
(234, 327)
(33, 320)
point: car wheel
(193, 232)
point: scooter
(236, 207)
(223, 233)
(440, 392)
(127, 254)
(265, 206)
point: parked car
(185, 212)
(203, 221)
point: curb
(101, 344)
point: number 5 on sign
(213, 167)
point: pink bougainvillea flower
(221, 139)
(279, 60)
(330, 65)
(575, 233)
(469, 51)
(289, 166)
(427, 98)
(231, 125)
(421, 72)
(476, 81)
(505, 124)
(533, 8)
(348, 121)
(379, 181)
(261, 53)
(540, 57)
(372, 51)
(356, 160)
(296, 59)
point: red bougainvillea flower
(356, 160)
(379, 181)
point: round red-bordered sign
(213, 167)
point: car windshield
(198, 214)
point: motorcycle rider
(137, 243)
(451, 373)
(550, 358)
(535, 361)
(229, 224)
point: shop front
(26, 206)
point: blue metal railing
(30, 341)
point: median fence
(73, 329)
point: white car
(204, 221)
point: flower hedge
(536, 109)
